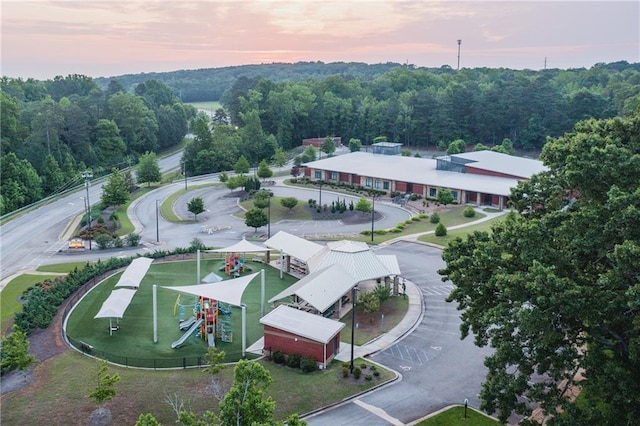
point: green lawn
(166, 207)
(208, 105)
(278, 213)
(9, 303)
(455, 416)
(62, 267)
(134, 339)
(64, 381)
(371, 325)
(461, 232)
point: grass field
(166, 207)
(455, 416)
(59, 395)
(134, 339)
(209, 106)
(461, 232)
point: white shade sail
(134, 273)
(243, 246)
(227, 291)
(117, 302)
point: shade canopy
(322, 288)
(117, 302)
(134, 273)
(243, 246)
(227, 291)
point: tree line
(53, 130)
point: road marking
(378, 412)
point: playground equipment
(184, 307)
(192, 330)
(234, 264)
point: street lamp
(354, 292)
(373, 211)
(157, 224)
(184, 172)
(269, 215)
(87, 175)
(320, 196)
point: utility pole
(87, 175)
(459, 43)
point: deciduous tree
(196, 206)
(255, 218)
(148, 169)
(289, 202)
(114, 192)
(263, 170)
(554, 288)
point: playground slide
(187, 323)
(186, 335)
(212, 342)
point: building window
(455, 195)
(433, 192)
(368, 182)
(385, 184)
(376, 184)
(334, 175)
(318, 174)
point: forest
(52, 130)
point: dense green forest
(53, 129)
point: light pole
(320, 196)
(269, 215)
(354, 292)
(184, 172)
(87, 175)
(373, 211)
(459, 43)
(157, 224)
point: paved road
(438, 369)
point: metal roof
(304, 324)
(503, 163)
(355, 257)
(321, 288)
(390, 261)
(421, 171)
(293, 245)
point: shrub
(104, 241)
(197, 244)
(356, 373)
(365, 232)
(113, 217)
(278, 357)
(395, 230)
(415, 219)
(423, 216)
(345, 371)
(133, 239)
(117, 242)
(435, 218)
(293, 361)
(408, 222)
(376, 373)
(368, 377)
(468, 212)
(413, 197)
(441, 230)
(363, 366)
(100, 219)
(308, 364)
(400, 225)
(380, 231)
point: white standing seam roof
(355, 257)
(293, 245)
(390, 261)
(243, 246)
(228, 291)
(117, 302)
(303, 324)
(421, 171)
(135, 272)
(503, 163)
(321, 288)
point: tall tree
(52, 175)
(263, 170)
(255, 218)
(148, 169)
(109, 146)
(245, 403)
(554, 288)
(114, 192)
(280, 157)
(242, 166)
(196, 206)
(19, 182)
(328, 146)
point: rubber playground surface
(134, 337)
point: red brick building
(317, 142)
(292, 331)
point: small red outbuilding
(292, 331)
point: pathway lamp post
(354, 293)
(157, 223)
(87, 175)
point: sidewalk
(408, 323)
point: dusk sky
(99, 38)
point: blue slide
(186, 335)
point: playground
(186, 324)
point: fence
(126, 361)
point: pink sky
(100, 38)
